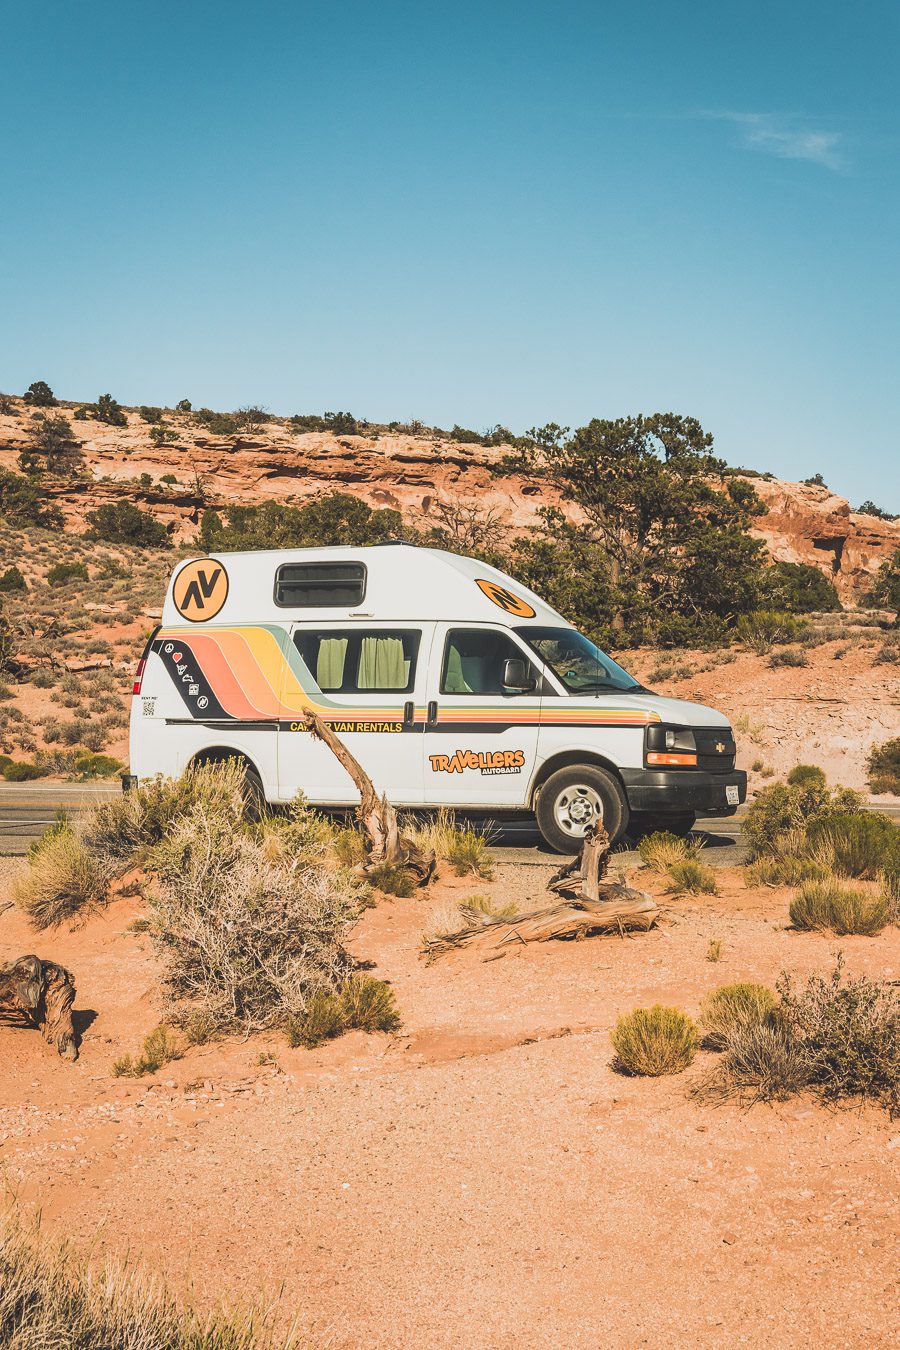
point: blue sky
(475, 213)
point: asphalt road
(26, 810)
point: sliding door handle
(432, 712)
(408, 714)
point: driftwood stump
(592, 905)
(376, 815)
(43, 993)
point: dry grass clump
(464, 848)
(734, 1008)
(842, 909)
(861, 843)
(661, 850)
(691, 875)
(392, 879)
(64, 877)
(762, 1062)
(654, 1041)
(160, 1047)
(53, 1298)
(362, 1004)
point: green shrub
(790, 870)
(220, 424)
(691, 875)
(349, 847)
(51, 447)
(802, 775)
(468, 853)
(883, 764)
(799, 588)
(23, 773)
(12, 580)
(654, 1041)
(106, 409)
(842, 909)
(97, 766)
(392, 879)
(322, 1019)
(369, 1005)
(732, 1008)
(151, 415)
(124, 523)
(661, 850)
(784, 807)
(24, 502)
(183, 405)
(762, 629)
(39, 395)
(862, 843)
(160, 1047)
(62, 572)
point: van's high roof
(403, 583)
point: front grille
(710, 756)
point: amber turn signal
(658, 757)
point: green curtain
(381, 664)
(330, 663)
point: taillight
(139, 675)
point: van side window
(320, 585)
(474, 659)
(359, 661)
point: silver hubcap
(576, 808)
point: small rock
(729, 1239)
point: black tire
(579, 793)
(254, 794)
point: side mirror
(516, 677)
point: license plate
(732, 796)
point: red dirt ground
(483, 1178)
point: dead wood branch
(376, 815)
(570, 919)
(43, 993)
(592, 905)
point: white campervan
(452, 684)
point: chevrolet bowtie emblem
(720, 747)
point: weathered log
(43, 992)
(576, 919)
(376, 815)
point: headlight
(671, 747)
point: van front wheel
(574, 798)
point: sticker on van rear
(200, 590)
(505, 599)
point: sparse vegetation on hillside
(24, 503)
(124, 523)
(51, 447)
(39, 395)
(883, 764)
(335, 519)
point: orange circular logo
(499, 595)
(200, 590)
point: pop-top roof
(401, 583)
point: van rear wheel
(574, 798)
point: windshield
(574, 659)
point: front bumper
(676, 791)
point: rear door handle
(432, 712)
(408, 713)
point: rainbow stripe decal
(255, 674)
